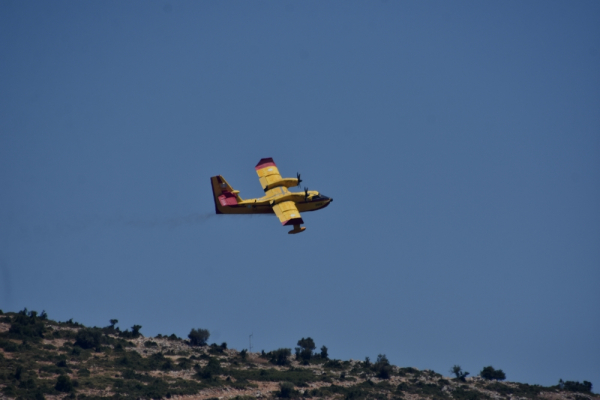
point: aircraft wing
(287, 213)
(276, 190)
(267, 172)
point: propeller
(305, 193)
(299, 180)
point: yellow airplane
(277, 199)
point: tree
(490, 373)
(305, 351)
(382, 367)
(110, 330)
(307, 344)
(135, 331)
(198, 337)
(324, 354)
(460, 374)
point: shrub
(135, 332)
(490, 373)
(167, 365)
(280, 356)
(88, 338)
(520, 390)
(18, 373)
(575, 386)
(408, 371)
(215, 349)
(336, 364)
(286, 389)
(297, 376)
(462, 393)
(425, 390)
(211, 369)
(184, 363)
(198, 337)
(244, 354)
(8, 346)
(64, 384)
(10, 391)
(26, 325)
(71, 323)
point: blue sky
(460, 142)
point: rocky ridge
(41, 358)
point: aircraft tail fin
(223, 194)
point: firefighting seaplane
(277, 199)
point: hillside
(41, 358)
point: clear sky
(460, 142)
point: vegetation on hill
(41, 358)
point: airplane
(277, 199)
